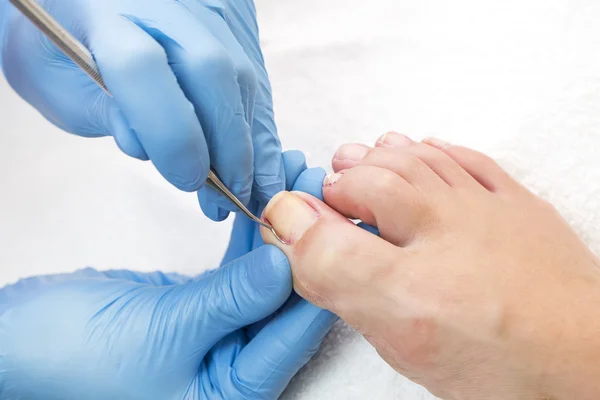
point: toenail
(438, 143)
(351, 152)
(290, 216)
(331, 179)
(393, 139)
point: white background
(488, 74)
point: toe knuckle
(388, 186)
(385, 181)
(475, 157)
(411, 164)
(484, 160)
(373, 154)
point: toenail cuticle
(381, 139)
(438, 143)
(394, 139)
(331, 179)
(351, 152)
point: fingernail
(290, 216)
(351, 152)
(331, 179)
(435, 142)
(393, 139)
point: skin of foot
(475, 288)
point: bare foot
(477, 289)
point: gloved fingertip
(267, 186)
(293, 157)
(294, 163)
(210, 204)
(184, 182)
(129, 145)
(311, 182)
(185, 166)
(125, 138)
(267, 280)
(213, 212)
(249, 288)
(273, 273)
(222, 214)
(283, 346)
(219, 205)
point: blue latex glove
(189, 84)
(246, 237)
(125, 335)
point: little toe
(480, 166)
(348, 156)
(439, 162)
(409, 166)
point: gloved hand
(246, 237)
(125, 335)
(188, 80)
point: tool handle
(76, 51)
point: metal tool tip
(277, 236)
(268, 225)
